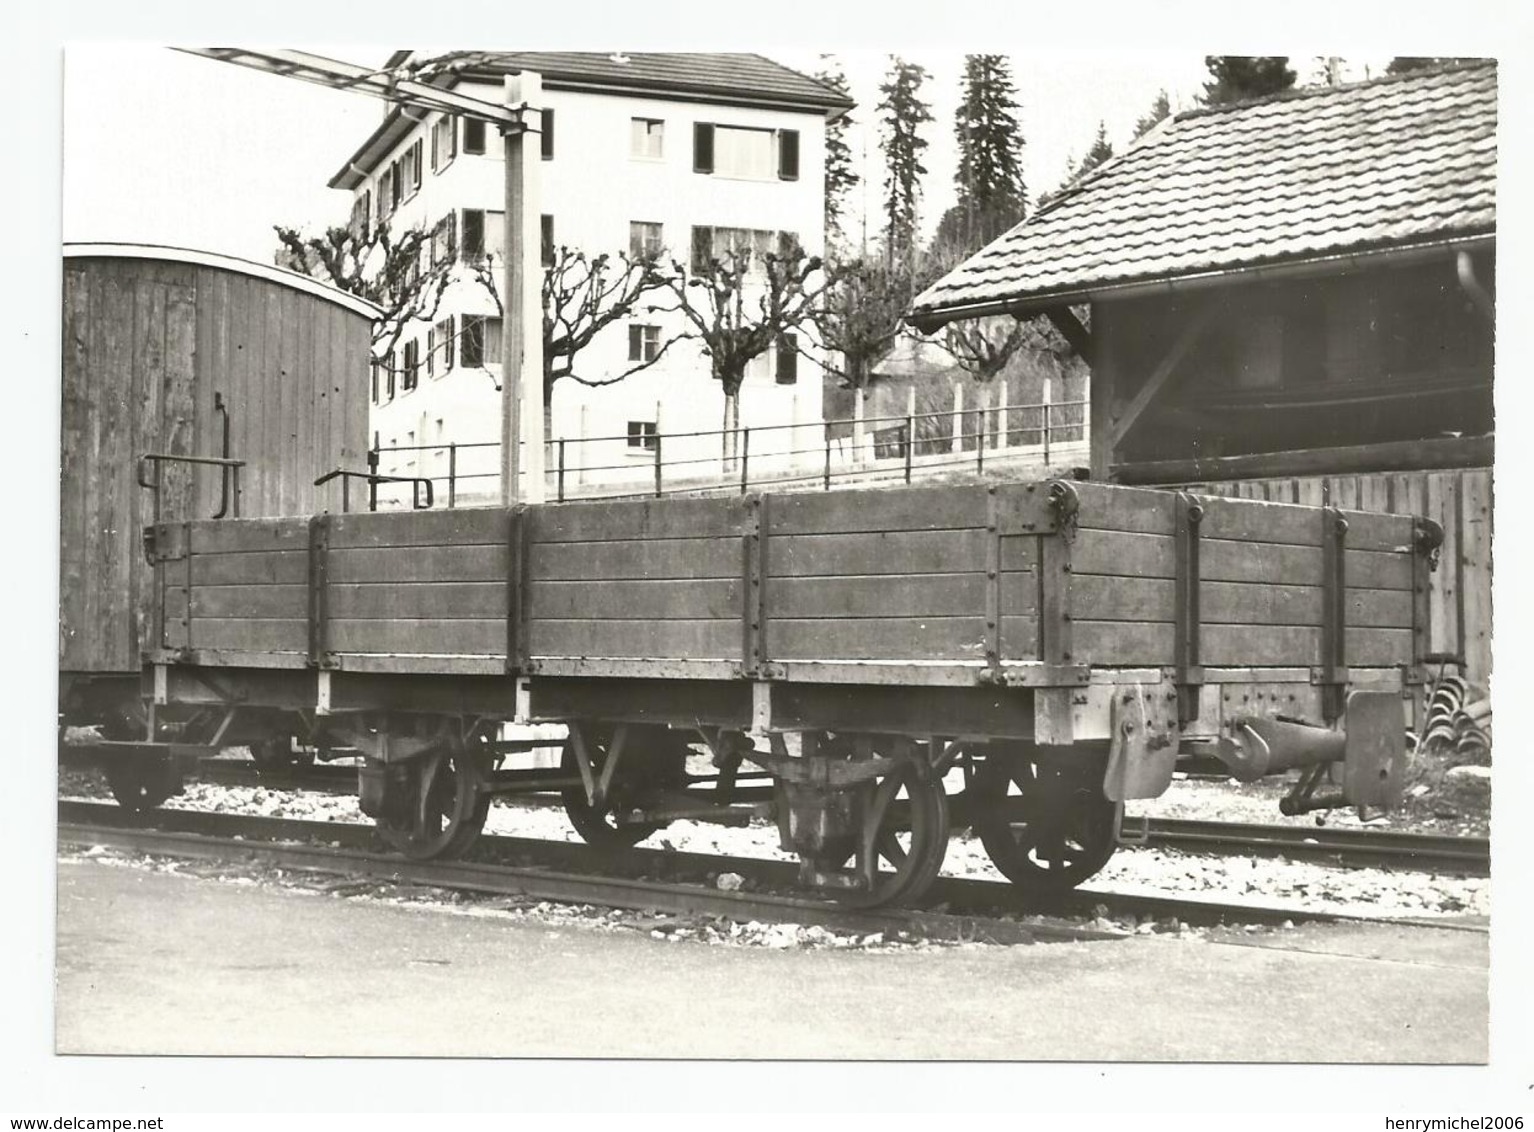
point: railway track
(956, 908)
(1346, 847)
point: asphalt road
(162, 964)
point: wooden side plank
(1136, 643)
(616, 561)
(693, 640)
(239, 536)
(445, 600)
(1117, 553)
(419, 564)
(254, 568)
(621, 520)
(459, 637)
(1153, 599)
(902, 638)
(247, 635)
(74, 504)
(289, 600)
(848, 512)
(459, 526)
(926, 595)
(653, 600)
(877, 552)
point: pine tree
(1159, 110)
(904, 113)
(840, 175)
(1403, 64)
(992, 196)
(1236, 78)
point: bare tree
(740, 304)
(385, 269)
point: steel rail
(969, 897)
(541, 883)
(1347, 847)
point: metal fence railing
(810, 455)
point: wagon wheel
(448, 803)
(1047, 827)
(907, 812)
(653, 759)
(141, 782)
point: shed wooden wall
(146, 345)
(1458, 500)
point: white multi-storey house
(692, 153)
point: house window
(412, 368)
(645, 240)
(483, 233)
(388, 377)
(444, 142)
(442, 250)
(473, 135)
(481, 344)
(643, 436)
(444, 333)
(730, 246)
(546, 135)
(388, 195)
(376, 374)
(410, 171)
(644, 343)
(647, 138)
(362, 214)
(396, 185)
(546, 239)
(431, 352)
(750, 154)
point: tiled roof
(731, 79)
(1313, 172)
(735, 75)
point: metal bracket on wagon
(1142, 743)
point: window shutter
(788, 359)
(702, 249)
(431, 352)
(473, 233)
(546, 231)
(547, 138)
(636, 343)
(415, 166)
(788, 155)
(702, 147)
(447, 345)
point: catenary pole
(522, 311)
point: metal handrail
(230, 477)
(373, 480)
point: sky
(165, 147)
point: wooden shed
(189, 353)
(1290, 299)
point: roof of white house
(720, 78)
(271, 274)
(1368, 168)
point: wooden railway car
(241, 383)
(1056, 645)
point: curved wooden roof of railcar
(271, 274)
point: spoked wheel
(652, 760)
(1045, 824)
(907, 816)
(142, 782)
(448, 806)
